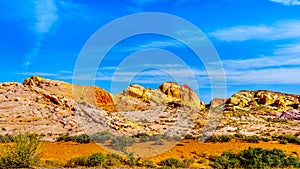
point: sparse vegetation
(221, 138)
(112, 159)
(227, 138)
(82, 139)
(120, 142)
(78, 161)
(96, 159)
(255, 158)
(132, 161)
(6, 138)
(172, 162)
(101, 137)
(22, 153)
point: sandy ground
(63, 151)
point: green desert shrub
(101, 137)
(96, 159)
(283, 141)
(187, 162)
(112, 159)
(226, 160)
(82, 139)
(252, 139)
(172, 162)
(6, 138)
(132, 161)
(289, 138)
(77, 161)
(22, 153)
(148, 164)
(120, 142)
(221, 138)
(255, 158)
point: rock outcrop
(247, 100)
(89, 94)
(217, 102)
(181, 94)
(169, 93)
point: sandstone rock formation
(217, 102)
(90, 94)
(168, 93)
(247, 100)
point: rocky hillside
(260, 112)
(51, 107)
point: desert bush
(187, 162)
(132, 161)
(96, 159)
(289, 138)
(82, 139)
(144, 139)
(112, 159)
(148, 164)
(265, 139)
(120, 142)
(226, 160)
(22, 153)
(158, 142)
(221, 138)
(283, 141)
(255, 158)
(77, 161)
(155, 138)
(172, 162)
(252, 139)
(101, 137)
(189, 136)
(239, 136)
(6, 138)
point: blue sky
(258, 41)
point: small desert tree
(21, 153)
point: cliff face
(247, 100)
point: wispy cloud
(45, 15)
(274, 76)
(262, 62)
(278, 31)
(147, 2)
(38, 74)
(287, 2)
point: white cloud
(262, 62)
(274, 76)
(278, 31)
(289, 49)
(38, 74)
(287, 2)
(147, 2)
(46, 15)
